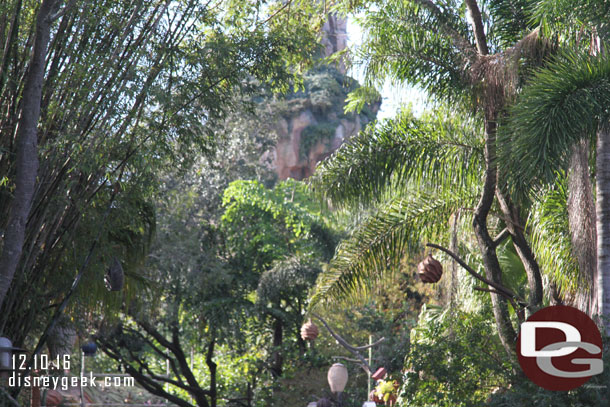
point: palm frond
(433, 152)
(569, 17)
(550, 237)
(380, 243)
(509, 21)
(420, 42)
(565, 102)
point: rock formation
(312, 124)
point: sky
(393, 96)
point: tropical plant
(278, 238)
(386, 391)
(582, 34)
(551, 116)
(477, 56)
(114, 92)
(417, 174)
(451, 362)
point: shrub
(455, 359)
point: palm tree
(411, 176)
(581, 29)
(567, 102)
(461, 56)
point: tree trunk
(277, 359)
(514, 224)
(477, 26)
(27, 151)
(486, 244)
(209, 360)
(581, 217)
(602, 165)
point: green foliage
(380, 242)
(399, 152)
(326, 88)
(513, 272)
(316, 133)
(132, 89)
(286, 281)
(455, 360)
(414, 42)
(390, 314)
(571, 21)
(523, 392)
(407, 172)
(511, 21)
(551, 241)
(565, 102)
(358, 99)
(324, 94)
(263, 225)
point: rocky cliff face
(312, 124)
(334, 38)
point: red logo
(560, 348)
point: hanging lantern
(6, 353)
(89, 348)
(337, 377)
(115, 276)
(309, 331)
(430, 270)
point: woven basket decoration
(309, 331)
(430, 270)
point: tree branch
(500, 288)
(501, 237)
(512, 301)
(523, 249)
(212, 367)
(477, 26)
(162, 354)
(354, 361)
(272, 16)
(353, 349)
(493, 270)
(198, 393)
(149, 384)
(458, 39)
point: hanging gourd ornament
(309, 331)
(429, 270)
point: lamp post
(88, 349)
(337, 379)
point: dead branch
(353, 349)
